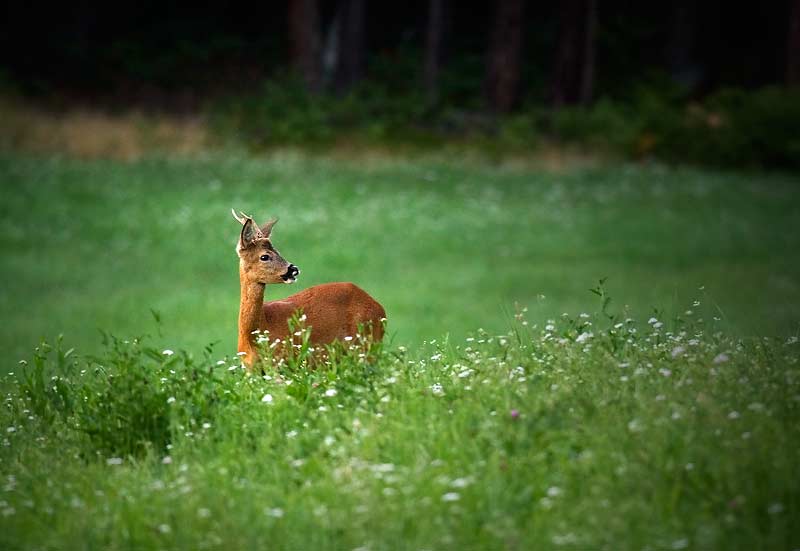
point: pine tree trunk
(574, 72)
(304, 38)
(503, 63)
(350, 62)
(793, 46)
(434, 46)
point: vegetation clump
(585, 431)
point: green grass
(542, 430)
(588, 433)
(445, 246)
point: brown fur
(333, 310)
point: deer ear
(266, 229)
(250, 233)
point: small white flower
(167, 460)
(677, 351)
(329, 440)
(682, 543)
(720, 358)
(451, 496)
(206, 426)
(203, 512)
(171, 400)
(331, 392)
(553, 491)
(652, 321)
(114, 461)
(734, 415)
(436, 357)
(462, 482)
(658, 325)
(775, 508)
(291, 434)
(437, 389)
(583, 337)
(241, 353)
(267, 398)
(168, 352)
(348, 338)
(164, 528)
(275, 512)
(11, 429)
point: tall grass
(583, 431)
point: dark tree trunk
(793, 47)
(434, 45)
(304, 38)
(587, 72)
(350, 61)
(680, 50)
(573, 76)
(503, 62)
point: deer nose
(291, 273)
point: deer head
(259, 262)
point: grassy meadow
(510, 408)
(447, 246)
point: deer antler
(241, 217)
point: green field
(446, 247)
(668, 419)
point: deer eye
(264, 257)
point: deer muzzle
(291, 274)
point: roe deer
(333, 310)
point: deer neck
(251, 316)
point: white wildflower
(168, 352)
(682, 543)
(267, 398)
(114, 461)
(775, 508)
(330, 392)
(274, 512)
(437, 389)
(462, 482)
(553, 491)
(583, 337)
(451, 496)
(720, 358)
(167, 460)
